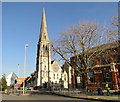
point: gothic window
(53, 76)
(65, 78)
(91, 77)
(55, 67)
(45, 36)
(46, 48)
(106, 76)
(45, 68)
(43, 48)
(57, 76)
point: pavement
(111, 98)
(61, 96)
(40, 98)
(99, 98)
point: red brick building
(106, 68)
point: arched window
(46, 47)
(45, 36)
(43, 48)
(53, 76)
(45, 68)
(65, 77)
(57, 76)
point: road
(42, 97)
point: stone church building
(48, 73)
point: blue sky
(21, 25)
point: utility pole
(18, 75)
(26, 45)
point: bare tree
(114, 28)
(115, 20)
(83, 42)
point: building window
(45, 36)
(53, 76)
(106, 76)
(46, 48)
(57, 76)
(65, 77)
(91, 77)
(43, 48)
(45, 68)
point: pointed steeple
(43, 29)
(43, 23)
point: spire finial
(43, 9)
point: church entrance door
(45, 85)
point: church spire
(43, 23)
(43, 29)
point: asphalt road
(42, 97)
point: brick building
(106, 68)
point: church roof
(52, 61)
(107, 46)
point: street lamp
(18, 74)
(26, 45)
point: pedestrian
(107, 88)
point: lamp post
(26, 45)
(18, 75)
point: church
(48, 74)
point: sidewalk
(111, 98)
(104, 98)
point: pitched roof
(107, 46)
(11, 75)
